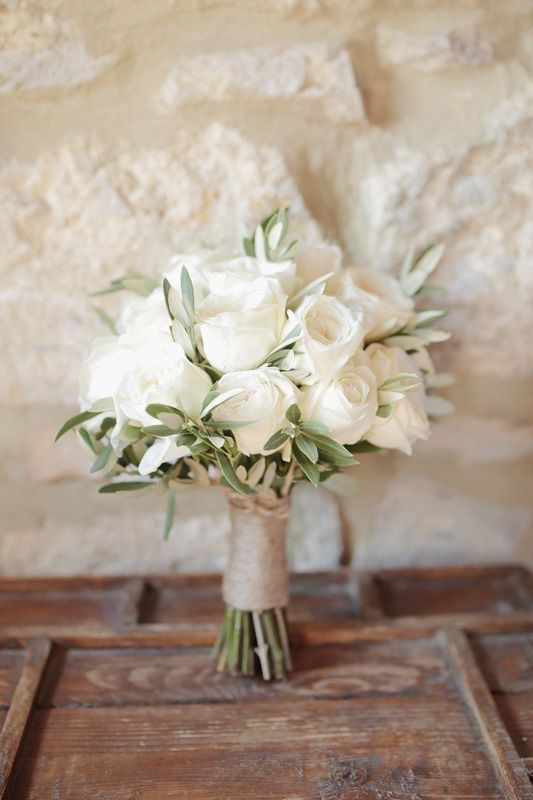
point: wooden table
(409, 684)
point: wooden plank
(507, 661)
(433, 591)
(509, 767)
(62, 606)
(381, 747)
(516, 710)
(17, 718)
(133, 591)
(11, 663)
(370, 605)
(183, 675)
(340, 631)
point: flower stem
(253, 643)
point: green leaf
(155, 409)
(186, 439)
(364, 447)
(308, 447)
(314, 428)
(276, 441)
(424, 318)
(315, 287)
(160, 430)
(86, 437)
(125, 486)
(229, 474)
(102, 459)
(139, 284)
(187, 289)
(422, 269)
(248, 247)
(199, 449)
(310, 470)
(73, 422)
(105, 319)
(228, 425)
(328, 473)
(166, 291)
(169, 519)
(218, 400)
(384, 411)
(107, 424)
(396, 378)
(130, 433)
(332, 451)
(429, 289)
(293, 414)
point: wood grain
(155, 676)
(384, 704)
(345, 748)
(17, 718)
(508, 766)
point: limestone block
(435, 51)
(477, 440)
(83, 214)
(419, 522)
(313, 71)
(478, 201)
(40, 50)
(131, 542)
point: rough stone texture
(312, 72)
(104, 212)
(435, 51)
(478, 201)
(433, 532)
(133, 543)
(131, 130)
(39, 50)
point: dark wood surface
(408, 684)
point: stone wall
(133, 129)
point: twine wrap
(256, 577)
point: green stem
(253, 643)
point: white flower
(378, 295)
(144, 315)
(265, 397)
(163, 451)
(330, 336)
(315, 260)
(408, 420)
(347, 403)
(136, 371)
(247, 268)
(240, 326)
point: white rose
(408, 420)
(330, 336)
(347, 403)
(144, 315)
(195, 264)
(136, 371)
(216, 273)
(103, 370)
(265, 397)
(378, 295)
(315, 260)
(237, 328)
(159, 373)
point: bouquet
(256, 370)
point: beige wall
(132, 129)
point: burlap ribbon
(256, 577)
